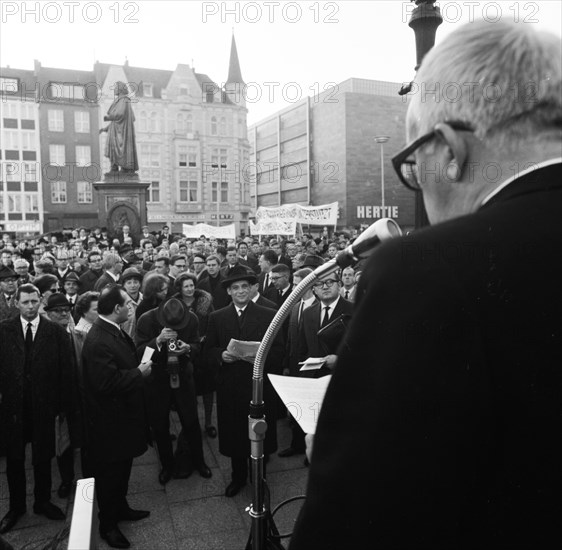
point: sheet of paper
(302, 396)
(312, 363)
(147, 355)
(242, 349)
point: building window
(153, 192)
(67, 91)
(182, 155)
(31, 203)
(184, 90)
(154, 123)
(30, 171)
(188, 190)
(84, 189)
(223, 157)
(28, 141)
(56, 120)
(82, 122)
(83, 155)
(11, 140)
(180, 123)
(58, 192)
(143, 124)
(14, 203)
(214, 188)
(8, 84)
(214, 126)
(56, 154)
(150, 155)
(192, 157)
(27, 111)
(189, 123)
(224, 191)
(10, 122)
(222, 127)
(11, 171)
(147, 89)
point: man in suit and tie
(349, 288)
(212, 283)
(246, 321)
(281, 276)
(113, 266)
(291, 358)
(267, 289)
(117, 430)
(329, 307)
(247, 259)
(34, 386)
(277, 247)
(231, 261)
(90, 277)
(71, 287)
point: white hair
(501, 78)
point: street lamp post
(382, 140)
(219, 185)
(424, 22)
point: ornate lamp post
(424, 22)
(382, 140)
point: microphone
(362, 247)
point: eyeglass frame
(402, 156)
(328, 283)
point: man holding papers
(243, 320)
(329, 307)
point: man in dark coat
(213, 283)
(328, 308)
(116, 423)
(242, 320)
(155, 328)
(441, 425)
(90, 277)
(34, 387)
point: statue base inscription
(122, 201)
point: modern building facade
(327, 148)
(21, 200)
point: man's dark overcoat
(50, 375)
(234, 384)
(116, 420)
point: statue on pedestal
(120, 146)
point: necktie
(240, 317)
(347, 294)
(326, 318)
(301, 308)
(266, 281)
(28, 339)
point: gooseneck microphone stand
(360, 249)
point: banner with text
(285, 217)
(210, 231)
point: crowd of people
(180, 301)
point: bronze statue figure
(120, 146)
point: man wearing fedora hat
(242, 320)
(172, 331)
(71, 286)
(8, 287)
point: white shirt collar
(256, 298)
(518, 175)
(114, 277)
(110, 322)
(308, 302)
(331, 306)
(34, 324)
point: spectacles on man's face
(405, 163)
(329, 283)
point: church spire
(234, 72)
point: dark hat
(57, 300)
(7, 273)
(131, 273)
(72, 276)
(313, 261)
(173, 313)
(239, 273)
(130, 257)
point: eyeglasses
(405, 163)
(60, 311)
(328, 282)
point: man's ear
(456, 151)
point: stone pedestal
(122, 201)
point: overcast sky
(287, 50)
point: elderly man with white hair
(441, 425)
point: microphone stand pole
(362, 247)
